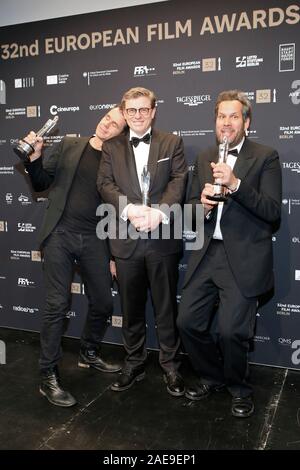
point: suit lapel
(153, 156)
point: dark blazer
(57, 171)
(118, 177)
(248, 216)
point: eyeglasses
(143, 111)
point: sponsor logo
(211, 64)
(60, 79)
(9, 198)
(19, 308)
(287, 57)
(289, 132)
(27, 82)
(261, 339)
(285, 341)
(3, 226)
(295, 94)
(297, 274)
(193, 132)
(290, 203)
(26, 227)
(248, 61)
(54, 109)
(287, 309)
(293, 166)
(143, 70)
(98, 74)
(194, 100)
(6, 170)
(25, 282)
(266, 96)
(295, 239)
(77, 288)
(71, 314)
(97, 107)
(29, 111)
(36, 256)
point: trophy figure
(145, 181)
(219, 189)
(24, 149)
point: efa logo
(295, 358)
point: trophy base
(23, 151)
(217, 197)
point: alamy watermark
(185, 222)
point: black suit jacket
(248, 216)
(118, 177)
(57, 171)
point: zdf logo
(295, 358)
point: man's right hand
(37, 144)
(208, 190)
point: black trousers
(147, 268)
(226, 362)
(61, 249)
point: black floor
(145, 417)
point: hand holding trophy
(25, 149)
(220, 191)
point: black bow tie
(233, 152)
(135, 140)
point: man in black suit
(235, 265)
(68, 235)
(143, 261)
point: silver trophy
(145, 182)
(220, 192)
(24, 149)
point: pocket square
(163, 159)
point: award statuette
(145, 182)
(24, 149)
(219, 189)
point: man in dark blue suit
(68, 235)
(235, 265)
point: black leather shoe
(50, 388)
(91, 358)
(175, 383)
(242, 407)
(200, 391)
(127, 379)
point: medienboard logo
(194, 100)
(27, 82)
(287, 57)
(2, 92)
(143, 70)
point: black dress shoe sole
(173, 392)
(197, 397)
(55, 403)
(138, 378)
(242, 415)
(85, 365)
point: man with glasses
(155, 159)
(68, 235)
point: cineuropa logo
(54, 109)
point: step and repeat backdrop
(78, 67)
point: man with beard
(234, 267)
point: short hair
(235, 95)
(136, 93)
